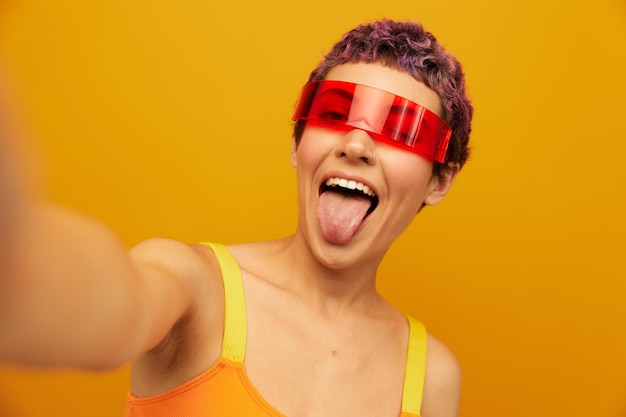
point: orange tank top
(225, 390)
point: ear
(439, 186)
(293, 159)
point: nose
(358, 145)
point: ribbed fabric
(235, 318)
(415, 372)
(224, 390)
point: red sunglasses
(388, 118)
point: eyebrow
(406, 106)
(413, 108)
(342, 92)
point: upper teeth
(350, 184)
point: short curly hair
(407, 47)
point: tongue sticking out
(339, 215)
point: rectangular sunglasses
(388, 118)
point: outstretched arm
(71, 295)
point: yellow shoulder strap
(415, 372)
(235, 322)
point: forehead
(388, 79)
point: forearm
(69, 295)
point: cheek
(314, 145)
(305, 154)
(408, 176)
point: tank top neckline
(235, 334)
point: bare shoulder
(442, 388)
(192, 268)
(191, 342)
(192, 264)
(170, 253)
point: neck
(333, 284)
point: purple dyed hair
(407, 47)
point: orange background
(172, 119)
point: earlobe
(439, 186)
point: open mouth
(351, 187)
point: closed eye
(333, 116)
(332, 106)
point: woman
(291, 327)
